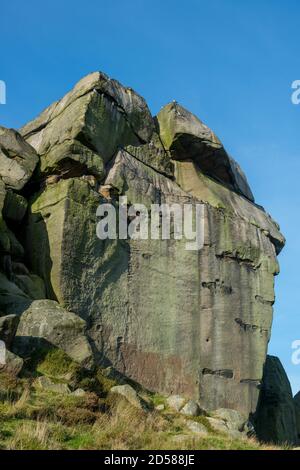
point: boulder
(275, 419)
(176, 402)
(85, 128)
(8, 328)
(196, 428)
(79, 392)
(191, 408)
(233, 419)
(32, 285)
(187, 138)
(130, 394)
(17, 159)
(218, 424)
(15, 206)
(12, 299)
(12, 364)
(46, 324)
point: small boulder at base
(176, 402)
(46, 323)
(129, 393)
(12, 364)
(196, 428)
(191, 408)
(234, 420)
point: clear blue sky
(231, 62)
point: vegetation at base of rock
(39, 421)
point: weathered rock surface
(191, 408)
(15, 206)
(8, 328)
(196, 428)
(276, 417)
(176, 402)
(84, 129)
(129, 394)
(17, 159)
(13, 364)
(297, 411)
(46, 324)
(186, 137)
(233, 419)
(194, 323)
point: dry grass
(121, 427)
(37, 419)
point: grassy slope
(32, 418)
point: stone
(17, 159)
(176, 402)
(297, 411)
(79, 392)
(15, 206)
(46, 324)
(32, 285)
(129, 393)
(154, 155)
(9, 244)
(191, 408)
(77, 134)
(186, 137)
(46, 383)
(233, 419)
(196, 428)
(8, 328)
(218, 424)
(275, 419)
(12, 299)
(160, 407)
(13, 364)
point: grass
(35, 419)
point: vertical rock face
(276, 414)
(297, 411)
(195, 322)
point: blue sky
(231, 62)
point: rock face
(17, 159)
(187, 138)
(297, 411)
(84, 129)
(190, 322)
(276, 415)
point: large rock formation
(177, 321)
(276, 414)
(194, 322)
